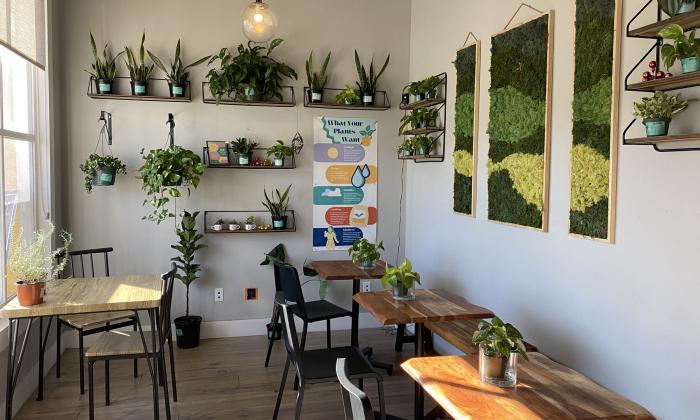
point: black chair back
(77, 262)
(291, 286)
(166, 301)
(355, 402)
(278, 283)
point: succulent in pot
(316, 81)
(31, 264)
(218, 225)
(401, 279)
(685, 48)
(250, 223)
(349, 96)
(101, 170)
(103, 70)
(499, 346)
(139, 71)
(243, 148)
(364, 252)
(233, 225)
(276, 203)
(658, 110)
(280, 151)
(177, 74)
(367, 83)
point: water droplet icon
(358, 181)
(365, 171)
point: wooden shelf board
(669, 83)
(424, 130)
(688, 21)
(425, 103)
(241, 230)
(251, 103)
(250, 167)
(348, 107)
(146, 98)
(665, 139)
(422, 157)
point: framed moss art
(519, 123)
(595, 126)
(467, 64)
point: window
(22, 89)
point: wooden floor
(221, 379)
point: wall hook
(171, 134)
(106, 118)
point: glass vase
(498, 370)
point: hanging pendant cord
(470, 34)
(518, 11)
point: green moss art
(466, 65)
(593, 100)
(517, 128)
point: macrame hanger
(470, 34)
(518, 11)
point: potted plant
(423, 144)
(101, 171)
(364, 252)
(276, 204)
(218, 225)
(401, 279)
(243, 148)
(104, 69)
(429, 86)
(658, 110)
(138, 70)
(676, 7)
(187, 327)
(177, 74)
(499, 346)
(415, 89)
(31, 264)
(279, 151)
(413, 118)
(368, 80)
(250, 223)
(406, 147)
(316, 81)
(163, 172)
(685, 48)
(233, 225)
(349, 96)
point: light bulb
(259, 22)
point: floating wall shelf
(91, 92)
(688, 21)
(287, 93)
(381, 101)
(424, 130)
(680, 81)
(209, 220)
(425, 103)
(289, 162)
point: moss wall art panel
(466, 128)
(519, 124)
(594, 149)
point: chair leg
(302, 345)
(161, 371)
(165, 385)
(361, 384)
(275, 321)
(281, 389)
(58, 348)
(269, 352)
(400, 332)
(91, 391)
(106, 382)
(81, 359)
(380, 391)
(300, 400)
(136, 361)
(328, 333)
(172, 366)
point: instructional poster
(345, 182)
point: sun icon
(333, 153)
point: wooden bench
(459, 334)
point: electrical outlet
(250, 293)
(219, 294)
(366, 286)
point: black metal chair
(115, 345)
(88, 324)
(355, 402)
(316, 366)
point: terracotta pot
(30, 294)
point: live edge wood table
(545, 390)
(77, 296)
(430, 305)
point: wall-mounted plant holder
(262, 217)
(288, 98)
(122, 84)
(327, 100)
(259, 154)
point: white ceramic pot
(279, 162)
(233, 227)
(250, 227)
(217, 227)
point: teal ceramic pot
(104, 177)
(657, 126)
(690, 64)
(408, 152)
(688, 6)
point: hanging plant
(101, 171)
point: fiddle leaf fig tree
(187, 245)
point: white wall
(625, 314)
(111, 216)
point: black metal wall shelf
(289, 99)
(381, 101)
(91, 92)
(289, 162)
(209, 221)
(688, 21)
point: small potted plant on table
(316, 81)
(685, 48)
(139, 72)
(243, 148)
(101, 171)
(233, 225)
(658, 110)
(401, 279)
(499, 346)
(177, 74)
(280, 151)
(103, 70)
(276, 203)
(349, 96)
(368, 80)
(365, 253)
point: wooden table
(545, 390)
(77, 296)
(430, 305)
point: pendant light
(259, 22)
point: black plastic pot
(103, 86)
(405, 98)
(279, 222)
(104, 177)
(177, 90)
(315, 96)
(187, 331)
(139, 88)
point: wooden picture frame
(214, 153)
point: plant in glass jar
(365, 252)
(499, 346)
(401, 279)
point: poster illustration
(345, 182)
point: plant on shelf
(316, 81)
(423, 144)
(233, 225)
(685, 48)
(657, 111)
(218, 225)
(176, 73)
(676, 7)
(406, 148)
(101, 170)
(419, 118)
(415, 89)
(367, 82)
(401, 279)
(104, 70)
(280, 151)
(349, 96)
(276, 203)
(250, 73)
(499, 344)
(31, 264)
(250, 223)
(162, 173)
(187, 327)
(365, 252)
(429, 86)
(243, 148)
(139, 71)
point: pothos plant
(401, 276)
(499, 339)
(94, 162)
(187, 245)
(363, 250)
(163, 173)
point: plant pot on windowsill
(495, 369)
(104, 176)
(177, 90)
(103, 86)
(139, 88)
(656, 127)
(29, 293)
(187, 331)
(279, 222)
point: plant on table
(685, 48)
(139, 71)
(233, 225)
(101, 170)
(177, 73)
(280, 151)
(103, 70)
(401, 279)
(243, 148)
(276, 203)
(365, 252)
(188, 244)
(31, 265)
(349, 96)
(423, 144)
(367, 83)
(316, 81)
(499, 344)
(658, 110)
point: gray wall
(111, 216)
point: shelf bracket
(629, 24)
